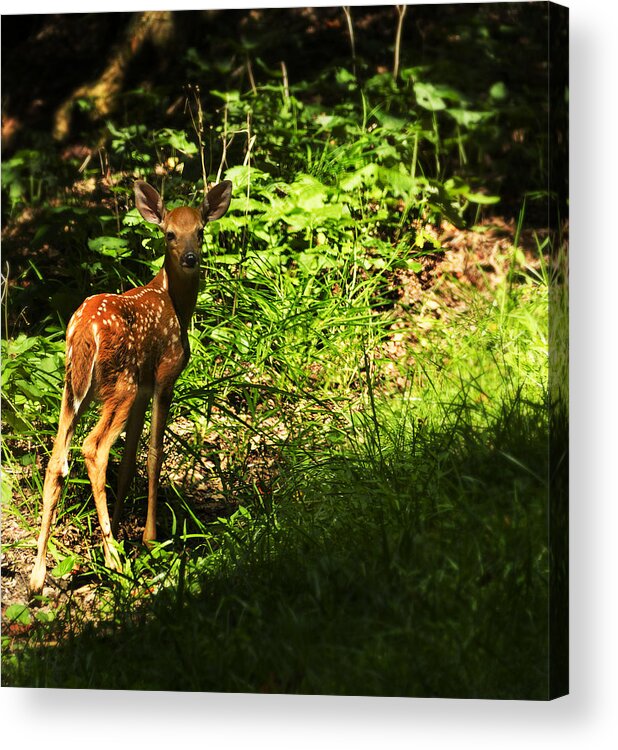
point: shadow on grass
(414, 565)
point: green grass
(404, 556)
(334, 517)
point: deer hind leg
(57, 469)
(160, 409)
(97, 445)
(126, 471)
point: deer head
(183, 227)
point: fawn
(123, 350)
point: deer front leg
(160, 409)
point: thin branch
(286, 86)
(348, 15)
(251, 78)
(401, 11)
(225, 145)
(199, 130)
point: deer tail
(82, 351)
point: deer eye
(170, 236)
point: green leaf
(312, 262)
(177, 139)
(231, 336)
(20, 345)
(414, 266)
(407, 74)
(115, 247)
(428, 97)
(227, 96)
(344, 76)
(467, 117)
(388, 122)
(499, 91)
(49, 364)
(399, 183)
(6, 484)
(481, 198)
(18, 613)
(228, 259)
(29, 390)
(308, 193)
(44, 617)
(64, 566)
(241, 175)
(367, 175)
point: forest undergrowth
(354, 491)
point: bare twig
(85, 163)
(401, 11)
(348, 15)
(284, 73)
(224, 144)
(199, 130)
(250, 74)
(5, 298)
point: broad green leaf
(312, 262)
(30, 390)
(18, 613)
(414, 266)
(481, 198)
(132, 218)
(20, 345)
(227, 96)
(64, 566)
(232, 336)
(227, 259)
(344, 76)
(49, 364)
(115, 247)
(45, 617)
(240, 176)
(407, 74)
(308, 193)
(390, 123)
(177, 140)
(298, 219)
(6, 483)
(499, 91)
(232, 223)
(467, 117)
(365, 175)
(399, 183)
(428, 97)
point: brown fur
(123, 350)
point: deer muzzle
(189, 260)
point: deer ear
(217, 202)
(148, 202)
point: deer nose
(189, 260)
